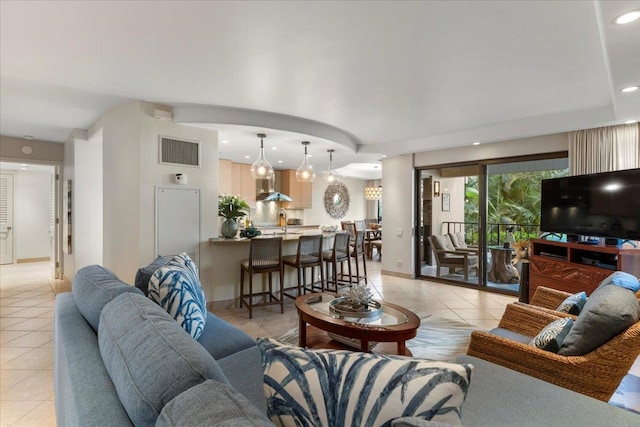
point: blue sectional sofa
(122, 360)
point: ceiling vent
(179, 152)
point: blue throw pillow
(144, 274)
(573, 304)
(345, 388)
(622, 279)
(176, 287)
(552, 336)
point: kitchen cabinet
(300, 192)
(243, 183)
(224, 177)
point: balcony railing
(496, 232)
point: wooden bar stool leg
(241, 286)
(281, 274)
(250, 296)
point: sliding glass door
(484, 212)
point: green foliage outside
(513, 199)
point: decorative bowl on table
(250, 232)
(375, 226)
(328, 228)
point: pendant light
(305, 173)
(261, 168)
(330, 175)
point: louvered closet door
(6, 219)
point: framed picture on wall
(446, 202)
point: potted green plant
(231, 207)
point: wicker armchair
(596, 374)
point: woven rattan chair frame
(597, 374)
(548, 300)
(338, 255)
(308, 255)
(265, 256)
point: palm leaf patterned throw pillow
(176, 288)
(550, 338)
(336, 388)
(573, 304)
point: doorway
(29, 214)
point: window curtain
(604, 149)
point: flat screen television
(600, 205)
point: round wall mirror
(336, 200)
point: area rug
(436, 338)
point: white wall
(318, 215)
(518, 147)
(397, 215)
(131, 173)
(87, 195)
(32, 208)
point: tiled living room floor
(27, 298)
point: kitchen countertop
(291, 235)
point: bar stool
(265, 256)
(338, 255)
(359, 250)
(309, 255)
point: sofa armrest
(84, 392)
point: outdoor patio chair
(447, 256)
(460, 244)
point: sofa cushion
(149, 357)
(143, 275)
(608, 311)
(176, 287)
(221, 338)
(94, 287)
(344, 388)
(211, 404)
(550, 338)
(573, 304)
(622, 279)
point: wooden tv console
(575, 267)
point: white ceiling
(395, 76)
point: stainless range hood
(273, 197)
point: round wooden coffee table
(396, 324)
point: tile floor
(27, 298)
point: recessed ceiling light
(28, 137)
(274, 148)
(628, 17)
(384, 156)
(24, 165)
(247, 157)
(476, 143)
(630, 89)
(225, 141)
(279, 161)
(628, 122)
